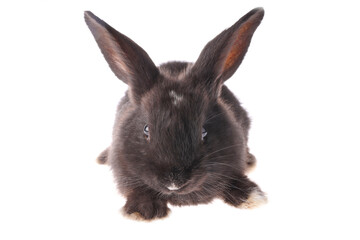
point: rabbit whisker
(222, 149)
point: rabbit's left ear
(127, 60)
(222, 56)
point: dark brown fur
(176, 101)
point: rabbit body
(180, 135)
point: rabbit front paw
(243, 193)
(145, 210)
(255, 199)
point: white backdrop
(299, 82)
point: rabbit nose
(176, 180)
(172, 187)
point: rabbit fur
(180, 135)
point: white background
(299, 82)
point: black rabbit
(180, 135)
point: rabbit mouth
(173, 187)
(191, 186)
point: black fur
(176, 101)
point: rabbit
(180, 135)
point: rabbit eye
(146, 130)
(203, 133)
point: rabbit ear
(222, 56)
(127, 60)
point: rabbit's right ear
(127, 60)
(222, 56)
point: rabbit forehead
(176, 101)
(174, 106)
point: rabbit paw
(145, 210)
(250, 163)
(102, 158)
(255, 199)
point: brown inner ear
(113, 54)
(239, 46)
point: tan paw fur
(133, 216)
(256, 199)
(136, 216)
